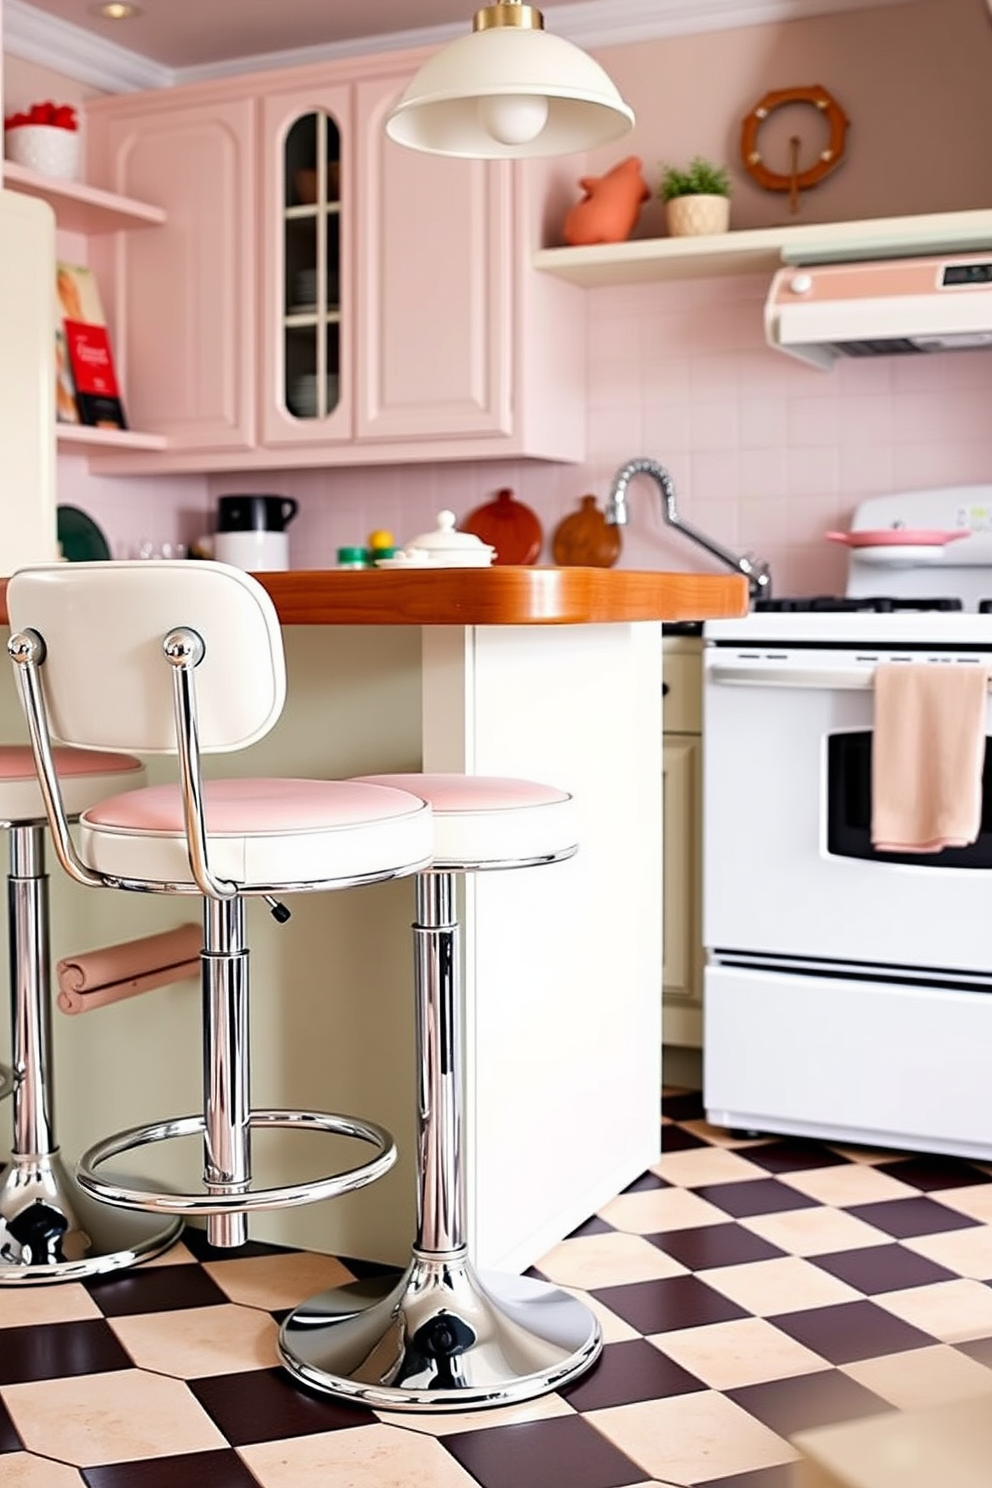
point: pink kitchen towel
(96, 978)
(928, 750)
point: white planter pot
(44, 148)
(690, 216)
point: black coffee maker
(255, 513)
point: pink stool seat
(86, 775)
(490, 821)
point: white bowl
(44, 148)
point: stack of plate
(303, 394)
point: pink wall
(766, 453)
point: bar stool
(442, 1336)
(50, 1230)
(186, 659)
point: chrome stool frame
(50, 1228)
(440, 1336)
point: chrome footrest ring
(244, 1201)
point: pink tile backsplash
(766, 453)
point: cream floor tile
(744, 1351)
(968, 1252)
(928, 1376)
(810, 1232)
(448, 1423)
(850, 1183)
(691, 1438)
(195, 1342)
(277, 1281)
(178, 1255)
(719, 1135)
(369, 1457)
(657, 1209)
(975, 1201)
(22, 1470)
(27, 1307)
(610, 1259)
(697, 1165)
(788, 1285)
(121, 1416)
(863, 1154)
(950, 1310)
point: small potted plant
(45, 138)
(697, 199)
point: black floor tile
(683, 1105)
(676, 1138)
(265, 1405)
(9, 1439)
(933, 1173)
(627, 1372)
(753, 1196)
(764, 1477)
(564, 1452)
(673, 1302)
(882, 1268)
(191, 1470)
(58, 1350)
(851, 1330)
(792, 1156)
(904, 1218)
(155, 1289)
(808, 1401)
(706, 1246)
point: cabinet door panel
(183, 306)
(434, 310)
(682, 975)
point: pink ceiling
(187, 33)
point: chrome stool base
(442, 1337)
(50, 1230)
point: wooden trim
(502, 595)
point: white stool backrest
(107, 683)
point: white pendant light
(508, 90)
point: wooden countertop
(502, 595)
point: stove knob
(801, 284)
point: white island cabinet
(552, 674)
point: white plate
(903, 556)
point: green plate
(79, 537)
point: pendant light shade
(509, 90)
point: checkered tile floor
(748, 1289)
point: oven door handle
(760, 674)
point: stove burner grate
(879, 604)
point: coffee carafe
(251, 531)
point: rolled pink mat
(96, 978)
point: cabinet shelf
(763, 250)
(122, 439)
(79, 208)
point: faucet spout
(755, 570)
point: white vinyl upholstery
(486, 821)
(261, 833)
(87, 775)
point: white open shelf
(763, 250)
(80, 208)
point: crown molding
(37, 37)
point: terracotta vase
(609, 208)
(691, 216)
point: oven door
(789, 867)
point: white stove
(848, 991)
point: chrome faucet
(755, 570)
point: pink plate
(893, 537)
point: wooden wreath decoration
(795, 180)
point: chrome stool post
(440, 1335)
(50, 1230)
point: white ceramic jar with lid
(444, 547)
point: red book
(97, 395)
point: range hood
(888, 307)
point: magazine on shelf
(88, 355)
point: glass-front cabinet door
(306, 395)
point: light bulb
(514, 118)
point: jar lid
(447, 543)
(353, 555)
